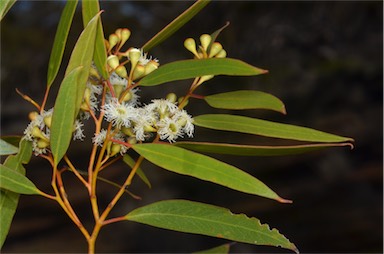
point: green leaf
(175, 25)
(16, 182)
(185, 162)
(5, 6)
(245, 99)
(6, 148)
(265, 128)
(60, 41)
(12, 139)
(89, 10)
(82, 55)
(253, 150)
(219, 249)
(186, 69)
(63, 116)
(131, 162)
(197, 218)
(9, 199)
(216, 33)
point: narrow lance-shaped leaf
(131, 163)
(197, 218)
(245, 99)
(9, 199)
(64, 115)
(82, 55)
(6, 148)
(16, 182)
(89, 10)
(265, 128)
(175, 25)
(60, 41)
(5, 6)
(185, 162)
(253, 150)
(186, 69)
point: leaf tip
(285, 201)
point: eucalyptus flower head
(119, 114)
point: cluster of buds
(140, 64)
(207, 49)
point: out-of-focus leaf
(265, 128)
(224, 249)
(5, 6)
(12, 180)
(197, 218)
(89, 9)
(63, 116)
(13, 140)
(185, 162)
(82, 55)
(186, 69)
(253, 150)
(9, 199)
(60, 40)
(131, 162)
(7, 149)
(217, 32)
(245, 99)
(175, 25)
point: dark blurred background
(326, 64)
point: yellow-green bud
(134, 55)
(150, 67)
(32, 115)
(48, 121)
(36, 132)
(118, 89)
(215, 49)
(127, 131)
(171, 97)
(118, 33)
(138, 72)
(93, 73)
(185, 103)
(127, 96)
(87, 95)
(125, 34)
(115, 148)
(205, 40)
(204, 78)
(41, 143)
(121, 71)
(222, 54)
(190, 44)
(84, 107)
(132, 140)
(113, 40)
(149, 128)
(113, 61)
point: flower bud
(118, 33)
(127, 96)
(190, 45)
(215, 49)
(127, 131)
(121, 71)
(115, 148)
(41, 143)
(84, 107)
(113, 61)
(93, 73)
(113, 40)
(171, 97)
(37, 133)
(118, 89)
(150, 67)
(125, 34)
(204, 78)
(48, 121)
(222, 54)
(132, 140)
(32, 115)
(134, 55)
(205, 40)
(138, 72)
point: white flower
(131, 98)
(162, 107)
(78, 132)
(186, 121)
(119, 114)
(116, 80)
(169, 129)
(143, 60)
(99, 138)
(144, 123)
(38, 148)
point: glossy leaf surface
(186, 69)
(245, 99)
(185, 162)
(197, 218)
(89, 9)
(175, 25)
(82, 55)
(265, 128)
(6, 148)
(60, 40)
(14, 181)
(253, 150)
(63, 117)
